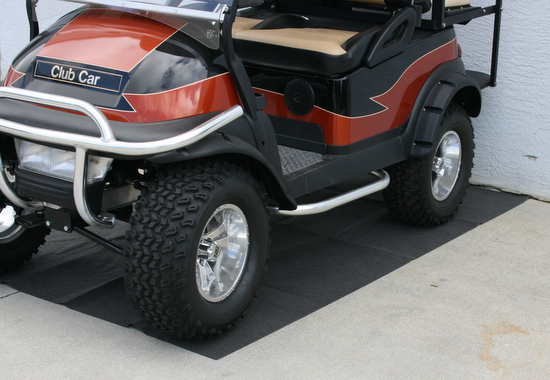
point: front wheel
(197, 248)
(428, 191)
(17, 244)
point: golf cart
(194, 121)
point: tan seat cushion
(243, 23)
(327, 41)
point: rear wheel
(17, 244)
(197, 248)
(428, 191)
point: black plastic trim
(339, 168)
(393, 38)
(56, 191)
(34, 29)
(449, 82)
(57, 120)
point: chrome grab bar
(62, 102)
(107, 143)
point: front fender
(233, 148)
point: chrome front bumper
(106, 143)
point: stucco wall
(512, 134)
(14, 29)
(513, 131)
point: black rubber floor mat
(315, 260)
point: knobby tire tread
(407, 197)
(22, 249)
(160, 241)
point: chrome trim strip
(319, 207)
(107, 143)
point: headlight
(58, 163)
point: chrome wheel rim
(222, 253)
(446, 165)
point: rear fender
(452, 87)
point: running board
(329, 204)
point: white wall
(513, 131)
(14, 28)
(512, 134)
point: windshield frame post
(234, 64)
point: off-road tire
(18, 244)
(167, 225)
(409, 195)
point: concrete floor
(477, 307)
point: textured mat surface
(314, 261)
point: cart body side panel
(364, 103)
(133, 68)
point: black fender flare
(455, 86)
(231, 147)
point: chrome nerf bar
(107, 143)
(316, 208)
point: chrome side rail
(107, 143)
(319, 207)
